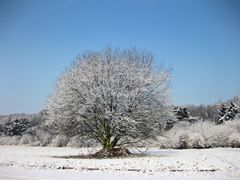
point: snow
(24, 162)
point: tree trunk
(107, 144)
(115, 141)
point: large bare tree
(113, 96)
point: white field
(23, 162)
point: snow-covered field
(23, 162)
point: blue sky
(199, 40)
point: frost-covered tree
(112, 96)
(16, 127)
(182, 114)
(227, 113)
(204, 112)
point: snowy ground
(23, 162)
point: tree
(112, 96)
(182, 114)
(16, 127)
(227, 113)
(204, 112)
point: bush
(197, 141)
(217, 136)
(234, 140)
(29, 139)
(45, 139)
(59, 141)
(234, 124)
(26, 139)
(202, 135)
(44, 136)
(184, 140)
(10, 140)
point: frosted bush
(234, 140)
(197, 140)
(217, 135)
(14, 140)
(9, 140)
(184, 135)
(29, 139)
(234, 124)
(59, 141)
(202, 127)
(44, 137)
(202, 135)
(163, 142)
(26, 139)
(3, 139)
(171, 138)
(184, 140)
(187, 139)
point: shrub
(26, 139)
(59, 141)
(234, 140)
(44, 136)
(202, 134)
(10, 140)
(29, 139)
(197, 141)
(234, 124)
(184, 140)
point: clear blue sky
(199, 40)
